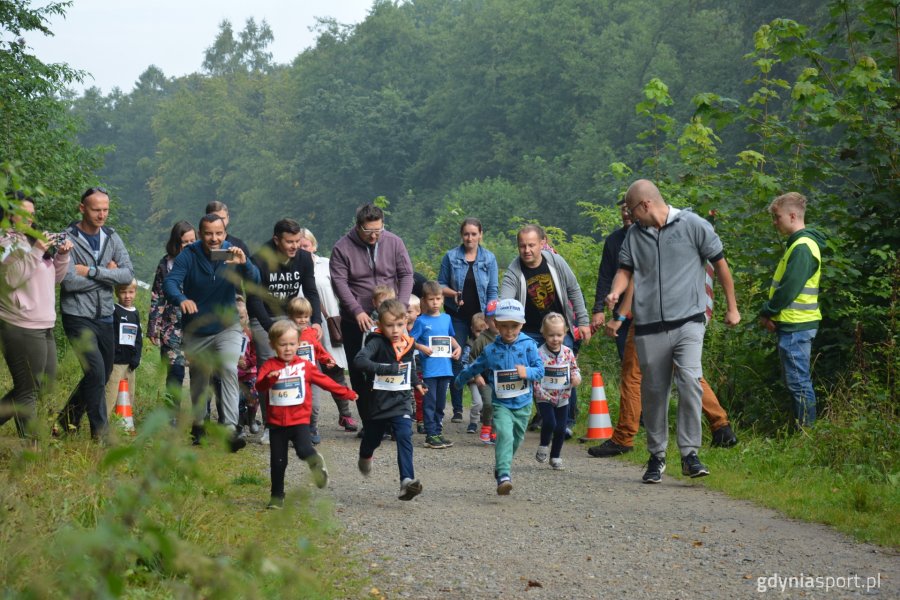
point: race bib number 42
(508, 384)
(290, 388)
(394, 383)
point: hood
(813, 234)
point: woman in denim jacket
(470, 280)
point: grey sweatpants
(215, 355)
(677, 352)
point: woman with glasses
(164, 322)
(30, 268)
(469, 277)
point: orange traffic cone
(599, 424)
(123, 407)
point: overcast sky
(116, 40)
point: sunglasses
(93, 190)
(371, 231)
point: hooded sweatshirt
(288, 396)
(92, 297)
(800, 267)
(501, 356)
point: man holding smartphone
(204, 286)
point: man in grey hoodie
(665, 252)
(99, 262)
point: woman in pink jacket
(29, 270)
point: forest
(515, 111)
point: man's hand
(189, 307)
(521, 372)
(732, 317)
(598, 320)
(585, 331)
(364, 322)
(112, 265)
(82, 270)
(318, 329)
(612, 299)
(768, 323)
(237, 256)
(612, 328)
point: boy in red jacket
(284, 383)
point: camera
(54, 241)
(219, 254)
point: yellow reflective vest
(805, 307)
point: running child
(299, 310)
(389, 364)
(552, 392)
(435, 341)
(514, 363)
(484, 339)
(284, 384)
(128, 343)
(478, 324)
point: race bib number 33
(556, 377)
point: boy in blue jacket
(514, 363)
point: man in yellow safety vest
(792, 310)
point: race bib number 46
(508, 384)
(441, 346)
(556, 377)
(394, 383)
(290, 388)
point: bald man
(665, 253)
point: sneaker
(609, 448)
(409, 489)
(420, 427)
(472, 428)
(434, 442)
(314, 437)
(365, 465)
(542, 454)
(724, 437)
(457, 417)
(691, 466)
(254, 427)
(317, 468)
(557, 464)
(197, 434)
(447, 443)
(276, 503)
(569, 433)
(264, 439)
(236, 443)
(504, 485)
(493, 438)
(656, 466)
(485, 434)
(347, 423)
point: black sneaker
(409, 489)
(447, 443)
(472, 428)
(656, 466)
(691, 466)
(236, 443)
(724, 437)
(457, 417)
(609, 448)
(434, 442)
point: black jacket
(126, 354)
(377, 357)
(282, 282)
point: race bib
(244, 341)
(127, 334)
(508, 384)
(394, 383)
(556, 377)
(305, 350)
(441, 346)
(290, 388)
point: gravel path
(591, 531)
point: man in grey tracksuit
(666, 253)
(99, 263)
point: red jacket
(288, 397)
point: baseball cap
(490, 309)
(510, 310)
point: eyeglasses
(630, 209)
(93, 190)
(372, 231)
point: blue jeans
(461, 329)
(569, 342)
(795, 349)
(373, 433)
(433, 403)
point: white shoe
(557, 464)
(265, 438)
(543, 452)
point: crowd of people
(257, 332)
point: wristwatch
(619, 317)
(92, 272)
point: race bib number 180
(508, 384)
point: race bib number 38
(394, 383)
(508, 384)
(556, 377)
(290, 388)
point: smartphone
(219, 254)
